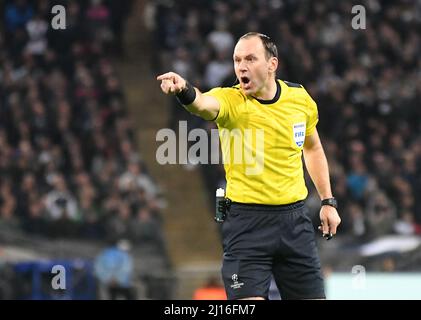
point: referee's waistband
(266, 207)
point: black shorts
(260, 241)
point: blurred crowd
(367, 83)
(69, 165)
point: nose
(242, 66)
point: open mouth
(245, 80)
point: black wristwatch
(330, 202)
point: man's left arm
(317, 166)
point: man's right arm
(206, 107)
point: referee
(267, 230)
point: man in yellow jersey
(267, 230)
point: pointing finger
(166, 76)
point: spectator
(118, 224)
(381, 215)
(37, 31)
(17, 13)
(60, 203)
(114, 269)
(145, 232)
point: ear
(273, 64)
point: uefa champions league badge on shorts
(236, 284)
(299, 132)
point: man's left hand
(330, 220)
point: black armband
(187, 96)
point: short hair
(270, 47)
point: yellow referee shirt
(262, 142)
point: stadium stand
(69, 168)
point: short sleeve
(313, 115)
(226, 98)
